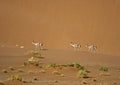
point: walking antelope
(75, 46)
(91, 48)
(38, 46)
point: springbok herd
(75, 46)
(92, 48)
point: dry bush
(103, 69)
(4, 71)
(82, 74)
(11, 68)
(1, 83)
(42, 71)
(15, 77)
(56, 72)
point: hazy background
(58, 22)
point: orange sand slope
(58, 22)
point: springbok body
(91, 48)
(38, 46)
(75, 46)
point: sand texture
(12, 60)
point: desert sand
(15, 57)
(56, 23)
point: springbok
(38, 46)
(75, 46)
(91, 48)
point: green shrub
(34, 63)
(34, 54)
(64, 65)
(54, 65)
(82, 74)
(76, 65)
(70, 65)
(24, 81)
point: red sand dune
(58, 22)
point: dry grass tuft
(20, 70)
(104, 69)
(82, 74)
(4, 71)
(30, 72)
(42, 71)
(34, 78)
(2, 83)
(84, 82)
(11, 68)
(56, 72)
(94, 80)
(62, 75)
(15, 77)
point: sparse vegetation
(34, 54)
(24, 81)
(76, 65)
(82, 74)
(1, 83)
(55, 69)
(11, 68)
(42, 71)
(54, 65)
(34, 78)
(94, 80)
(15, 77)
(34, 63)
(56, 72)
(4, 71)
(55, 81)
(62, 75)
(84, 82)
(20, 70)
(34, 58)
(70, 65)
(103, 69)
(30, 72)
